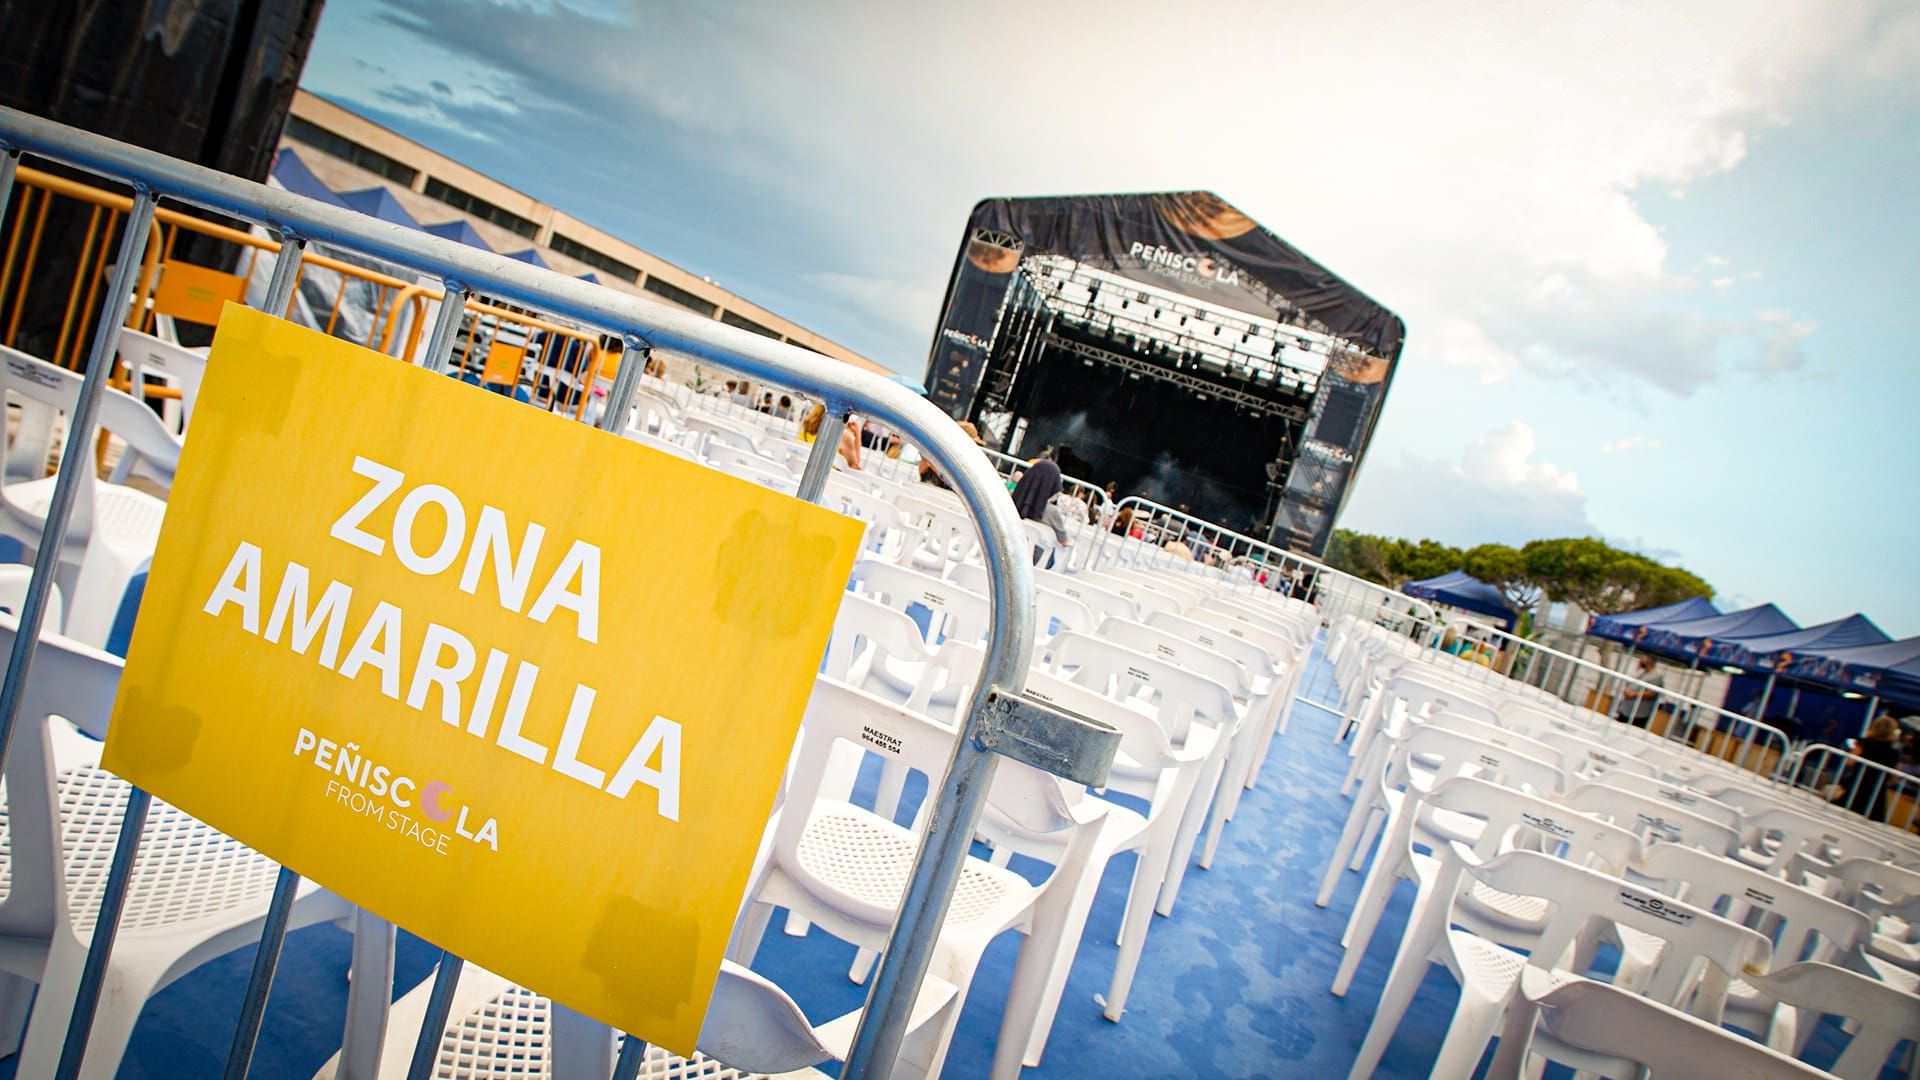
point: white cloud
(1472, 165)
(1496, 490)
(1780, 348)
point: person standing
(1637, 703)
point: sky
(1655, 260)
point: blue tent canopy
(379, 202)
(589, 278)
(1765, 650)
(293, 174)
(1890, 670)
(1464, 591)
(459, 229)
(530, 256)
(1627, 625)
(1684, 639)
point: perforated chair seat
(507, 1039)
(869, 859)
(1491, 969)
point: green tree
(1507, 569)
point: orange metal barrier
(35, 191)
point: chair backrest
(41, 390)
(1505, 739)
(1679, 794)
(1056, 611)
(1802, 920)
(149, 442)
(149, 357)
(837, 713)
(1580, 898)
(1590, 757)
(1101, 602)
(1258, 661)
(1179, 696)
(1280, 646)
(14, 579)
(1671, 1045)
(1885, 1014)
(1421, 691)
(1651, 818)
(856, 502)
(754, 1026)
(1142, 740)
(1146, 599)
(1452, 753)
(1512, 814)
(1805, 834)
(862, 621)
(956, 613)
(1177, 650)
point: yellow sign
(523, 687)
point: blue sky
(1655, 260)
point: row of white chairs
(1536, 833)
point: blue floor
(1234, 984)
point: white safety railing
(1052, 740)
(1854, 783)
(1576, 680)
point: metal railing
(1060, 743)
(1741, 740)
(1250, 563)
(396, 302)
(1851, 782)
(1009, 465)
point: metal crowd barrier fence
(1248, 562)
(1854, 783)
(1575, 680)
(1244, 562)
(1084, 490)
(396, 302)
(1000, 719)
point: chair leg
(1475, 1020)
(1190, 822)
(16, 996)
(1133, 937)
(1410, 965)
(1374, 894)
(748, 932)
(1342, 852)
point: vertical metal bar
(76, 455)
(453, 308)
(273, 932)
(632, 1052)
(105, 927)
(620, 399)
(434, 1024)
(286, 272)
(9, 164)
(953, 809)
(253, 1006)
(813, 479)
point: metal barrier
(396, 301)
(1084, 490)
(1000, 719)
(1248, 562)
(1854, 783)
(1576, 680)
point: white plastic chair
(169, 364)
(844, 867)
(1592, 1019)
(113, 530)
(195, 894)
(1147, 766)
(1507, 818)
(496, 1028)
(1577, 901)
(1403, 788)
(1180, 700)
